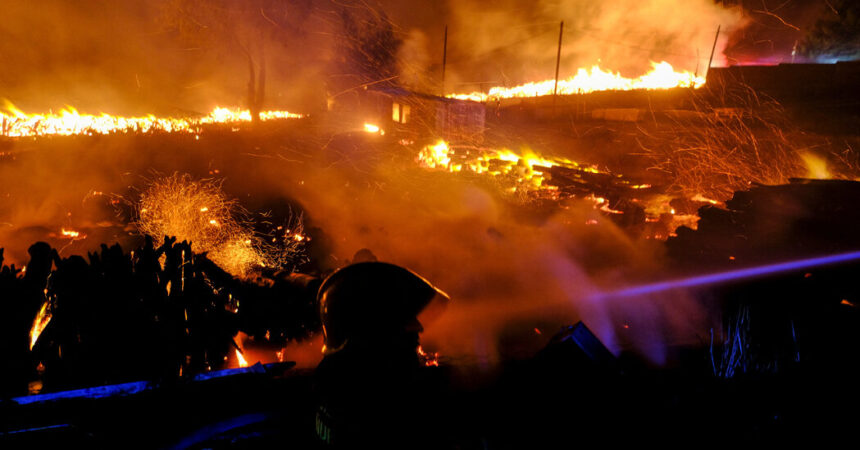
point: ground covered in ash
(748, 360)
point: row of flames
(16, 123)
(661, 76)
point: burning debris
(529, 177)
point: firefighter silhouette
(371, 381)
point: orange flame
(661, 76)
(241, 359)
(371, 128)
(72, 234)
(16, 123)
(525, 172)
(39, 323)
(429, 359)
(816, 166)
(526, 166)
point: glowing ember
(71, 234)
(241, 359)
(661, 76)
(603, 204)
(528, 176)
(434, 156)
(525, 167)
(39, 323)
(15, 123)
(428, 359)
(371, 128)
(703, 199)
(816, 166)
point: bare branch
(768, 13)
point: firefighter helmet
(373, 300)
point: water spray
(724, 277)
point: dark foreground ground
(776, 362)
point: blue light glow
(723, 277)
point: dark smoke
(179, 57)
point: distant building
(412, 115)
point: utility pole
(444, 59)
(713, 49)
(698, 61)
(558, 58)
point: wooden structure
(411, 115)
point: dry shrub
(198, 211)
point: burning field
(649, 231)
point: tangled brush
(198, 211)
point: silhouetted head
(375, 304)
(364, 255)
(40, 261)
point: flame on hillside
(16, 123)
(661, 76)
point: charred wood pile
(156, 313)
(770, 223)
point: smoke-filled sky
(127, 57)
(180, 56)
(511, 42)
